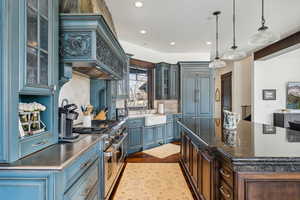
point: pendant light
(217, 62)
(233, 53)
(264, 36)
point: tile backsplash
(77, 91)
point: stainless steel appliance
(67, 115)
(114, 157)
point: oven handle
(108, 154)
(121, 141)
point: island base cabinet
(199, 168)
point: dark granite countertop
(250, 143)
(55, 157)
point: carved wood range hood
(87, 45)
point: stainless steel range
(115, 141)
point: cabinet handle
(224, 173)
(224, 192)
(40, 144)
(86, 164)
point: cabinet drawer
(226, 174)
(73, 172)
(226, 192)
(35, 143)
(138, 122)
(84, 188)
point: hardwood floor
(141, 157)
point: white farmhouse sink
(155, 119)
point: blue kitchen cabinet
(197, 86)
(169, 132)
(123, 84)
(162, 80)
(176, 127)
(135, 139)
(33, 185)
(111, 98)
(174, 82)
(135, 134)
(153, 136)
(29, 54)
(149, 137)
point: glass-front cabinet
(38, 46)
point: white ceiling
(190, 24)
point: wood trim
(223, 77)
(141, 63)
(276, 47)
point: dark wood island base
(218, 171)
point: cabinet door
(135, 139)
(169, 132)
(174, 82)
(195, 163)
(207, 180)
(189, 105)
(204, 96)
(166, 82)
(158, 82)
(160, 134)
(40, 58)
(149, 137)
(183, 148)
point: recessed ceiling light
(138, 4)
(143, 31)
(172, 43)
(208, 42)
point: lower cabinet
(169, 132)
(153, 136)
(135, 143)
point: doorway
(226, 93)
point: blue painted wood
(170, 132)
(160, 134)
(111, 98)
(98, 93)
(197, 86)
(135, 139)
(149, 137)
(13, 79)
(2, 16)
(19, 185)
(162, 80)
(174, 82)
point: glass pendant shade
(234, 54)
(263, 37)
(217, 63)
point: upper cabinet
(88, 45)
(37, 22)
(167, 81)
(123, 85)
(29, 41)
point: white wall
(77, 91)
(150, 55)
(274, 73)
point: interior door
(226, 93)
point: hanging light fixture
(264, 36)
(233, 53)
(217, 62)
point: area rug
(153, 181)
(163, 151)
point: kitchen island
(254, 162)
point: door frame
(224, 76)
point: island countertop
(250, 143)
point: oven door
(120, 151)
(109, 169)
